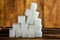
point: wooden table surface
(47, 34)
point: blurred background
(11, 9)
(51, 14)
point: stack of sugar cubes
(29, 25)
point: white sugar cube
(30, 20)
(37, 27)
(31, 28)
(33, 6)
(24, 27)
(16, 26)
(31, 34)
(18, 33)
(11, 33)
(38, 21)
(28, 12)
(24, 34)
(35, 15)
(38, 34)
(21, 19)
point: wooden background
(49, 12)
(52, 13)
(11, 9)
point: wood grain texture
(52, 13)
(11, 9)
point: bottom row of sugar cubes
(31, 34)
(23, 34)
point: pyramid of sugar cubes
(28, 25)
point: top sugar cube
(21, 19)
(33, 6)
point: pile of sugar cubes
(28, 25)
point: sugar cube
(33, 6)
(24, 27)
(21, 19)
(38, 33)
(35, 15)
(38, 21)
(31, 28)
(28, 12)
(16, 26)
(37, 27)
(18, 33)
(24, 34)
(30, 20)
(31, 34)
(11, 33)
